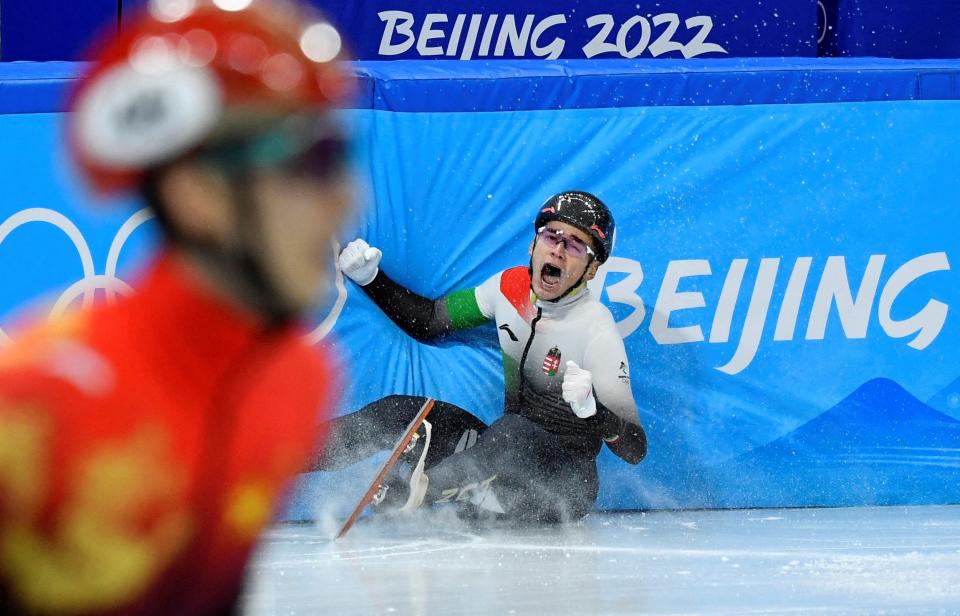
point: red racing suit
(143, 447)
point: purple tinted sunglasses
(572, 245)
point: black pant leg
(377, 426)
(453, 429)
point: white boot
(418, 479)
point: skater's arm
(619, 422)
(424, 318)
(420, 317)
(624, 438)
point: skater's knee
(518, 431)
(516, 424)
(398, 407)
(400, 400)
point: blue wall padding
(421, 85)
(813, 220)
(518, 85)
(35, 87)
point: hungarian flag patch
(551, 363)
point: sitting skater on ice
(565, 369)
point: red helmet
(187, 71)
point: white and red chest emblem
(551, 363)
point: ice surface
(892, 560)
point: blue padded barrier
(421, 85)
(784, 275)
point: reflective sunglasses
(572, 245)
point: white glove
(360, 262)
(578, 390)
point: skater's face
(286, 215)
(560, 255)
(299, 217)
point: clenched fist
(360, 262)
(578, 390)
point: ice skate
(406, 484)
(415, 441)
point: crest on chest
(551, 362)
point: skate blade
(380, 495)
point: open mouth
(550, 276)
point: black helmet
(584, 211)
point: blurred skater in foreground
(145, 444)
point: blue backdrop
(474, 29)
(927, 29)
(52, 29)
(471, 29)
(784, 272)
(461, 29)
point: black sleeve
(421, 318)
(624, 438)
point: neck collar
(579, 295)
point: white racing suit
(538, 461)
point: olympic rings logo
(91, 281)
(824, 21)
(320, 331)
(85, 288)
